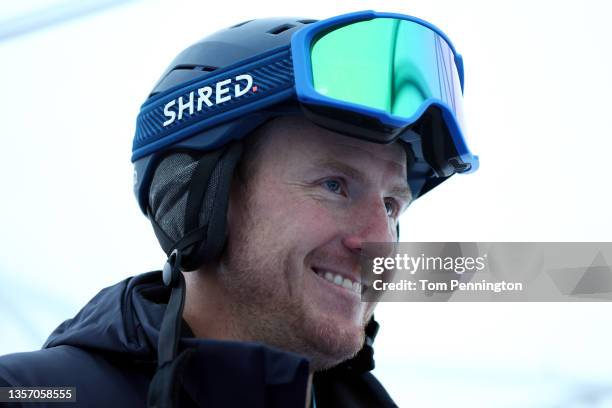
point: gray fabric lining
(170, 189)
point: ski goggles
(370, 75)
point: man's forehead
(298, 135)
(391, 154)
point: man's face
(291, 267)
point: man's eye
(334, 186)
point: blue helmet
(217, 91)
(204, 161)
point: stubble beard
(259, 279)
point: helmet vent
(307, 21)
(205, 68)
(281, 28)
(241, 24)
(190, 67)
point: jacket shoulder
(354, 391)
(99, 380)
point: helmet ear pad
(206, 208)
(208, 199)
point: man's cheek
(316, 226)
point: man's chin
(330, 344)
(327, 359)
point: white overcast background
(537, 96)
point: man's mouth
(339, 280)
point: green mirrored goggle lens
(389, 64)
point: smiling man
(290, 275)
(265, 158)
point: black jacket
(108, 352)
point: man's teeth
(341, 281)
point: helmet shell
(228, 47)
(220, 50)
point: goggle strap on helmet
(437, 146)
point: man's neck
(204, 311)
(208, 319)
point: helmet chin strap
(164, 388)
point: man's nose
(369, 223)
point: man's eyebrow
(343, 168)
(402, 192)
(358, 175)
